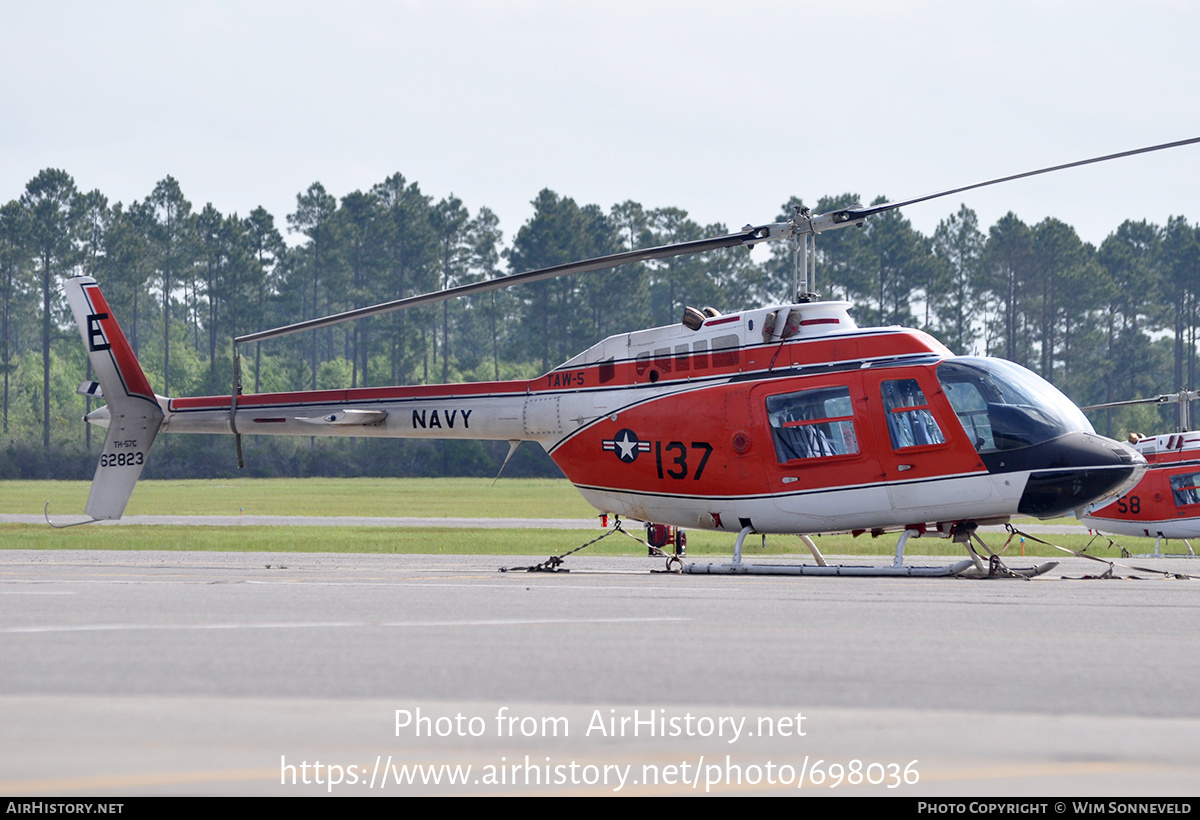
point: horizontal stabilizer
(87, 388)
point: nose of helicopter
(1074, 470)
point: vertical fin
(134, 412)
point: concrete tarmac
(127, 673)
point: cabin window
(641, 363)
(700, 351)
(812, 424)
(725, 351)
(910, 422)
(662, 358)
(1186, 488)
(608, 370)
(682, 360)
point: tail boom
(487, 411)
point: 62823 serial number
(121, 459)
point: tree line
(1105, 323)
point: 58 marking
(1133, 506)
(677, 466)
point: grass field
(370, 497)
(354, 497)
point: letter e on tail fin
(134, 414)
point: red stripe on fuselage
(361, 394)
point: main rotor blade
(747, 236)
(852, 214)
(1163, 398)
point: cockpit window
(1003, 406)
(812, 424)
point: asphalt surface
(128, 673)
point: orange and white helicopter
(781, 419)
(1165, 503)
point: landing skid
(1191, 553)
(973, 567)
(808, 569)
(1125, 553)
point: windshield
(1003, 406)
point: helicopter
(778, 419)
(1165, 503)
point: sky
(722, 109)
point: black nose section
(1069, 472)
